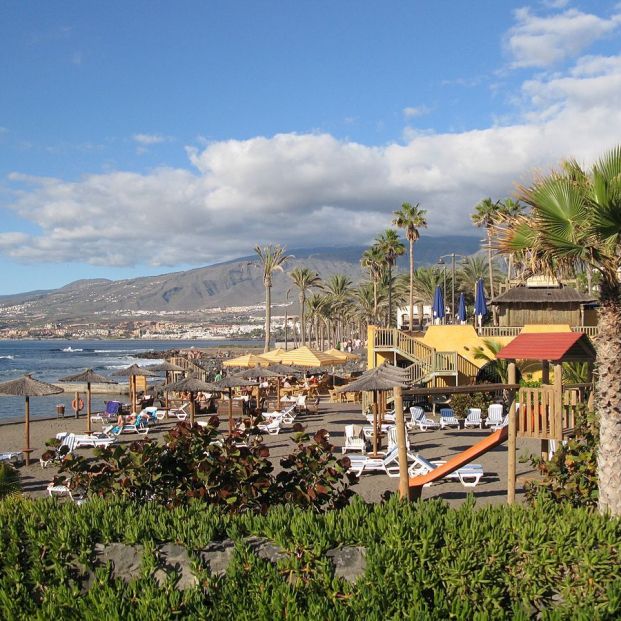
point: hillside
(233, 283)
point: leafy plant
(571, 474)
(460, 403)
(10, 484)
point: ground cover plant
(423, 561)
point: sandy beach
(331, 416)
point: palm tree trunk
(302, 318)
(491, 272)
(268, 316)
(375, 300)
(609, 400)
(411, 324)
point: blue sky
(144, 137)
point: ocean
(49, 360)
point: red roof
(554, 346)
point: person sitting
(286, 383)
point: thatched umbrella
(342, 354)
(378, 378)
(306, 357)
(192, 385)
(132, 372)
(227, 384)
(247, 360)
(89, 377)
(275, 355)
(28, 387)
(166, 367)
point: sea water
(50, 360)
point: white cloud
(149, 139)
(413, 112)
(313, 189)
(544, 41)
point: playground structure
(546, 412)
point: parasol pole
(404, 479)
(88, 408)
(375, 425)
(230, 411)
(27, 431)
(192, 409)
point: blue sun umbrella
(461, 308)
(438, 304)
(480, 305)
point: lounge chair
(300, 404)
(94, 440)
(392, 439)
(13, 457)
(181, 413)
(354, 439)
(109, 414)
(416, 412)
(272, 428)
(67, 445)
(503, 423)
(494, 415)
(473, 419)
(389, 464)
(61, 489)
(424, 423)
(448, 419)
(116, 430)
(468, 475)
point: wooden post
(230, 411)
(88, 408)
(404, 479)
(27, 431)
(76, 412)
(511, 452)
(545, 371)
(192, 408)
(375, 425)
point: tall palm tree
(305, 280)
(576, 221)
(411, 218)
(472, 269)
(509, 210)
(485, 215)
(391, 247)
(373, 261)
(271, 259)
(339, 288)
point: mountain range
(232, 283)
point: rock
(349, 562)
(175, 558)
(265, 549)
(217, 556)
(126, 560)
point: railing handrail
(515, 330)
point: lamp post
(287, 319)
(441, 262)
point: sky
(145, 137)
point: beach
(331, 416)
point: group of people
(350, 345)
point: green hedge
(424, 561)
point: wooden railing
(466, 368)
(190, 366)
(588, 330)
(515, 330)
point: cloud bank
(314, 189)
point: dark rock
(125, 560)
(349, 562)
(217, 556)
(265, 549)
(174, 558)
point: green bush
(195, 462)
(10, 483)
(571, 474)
(424, 561)
(460, 403)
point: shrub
(571, 474)
(461, 402)
(10, 484)
(194, 462)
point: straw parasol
(383, 377)
(342, 354)
(166, 367)
(275, 355)
(247, 361)
(306, 357)
(88, 377)
(27, 387)
(132, 372)
(192, 385)
(227, 384)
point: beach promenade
(435, 444)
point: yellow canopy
(274, 355)
(306, 357)
(342, 354)
(247, 361)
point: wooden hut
(541, 301)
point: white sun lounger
(473, 419)
(468, 475)
(448, 418)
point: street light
(441, 262)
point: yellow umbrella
(306, 357)
(342, 354)
(247, 361)
(274, 355)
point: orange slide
(461, 459)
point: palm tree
(391, 247)
(576, 221)
(339, 289)
(411, 218)
(373, 261)
(304, 279)
(271, 258)
(509, 210)
(486, 215)
(472, 269)
(488, 352)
